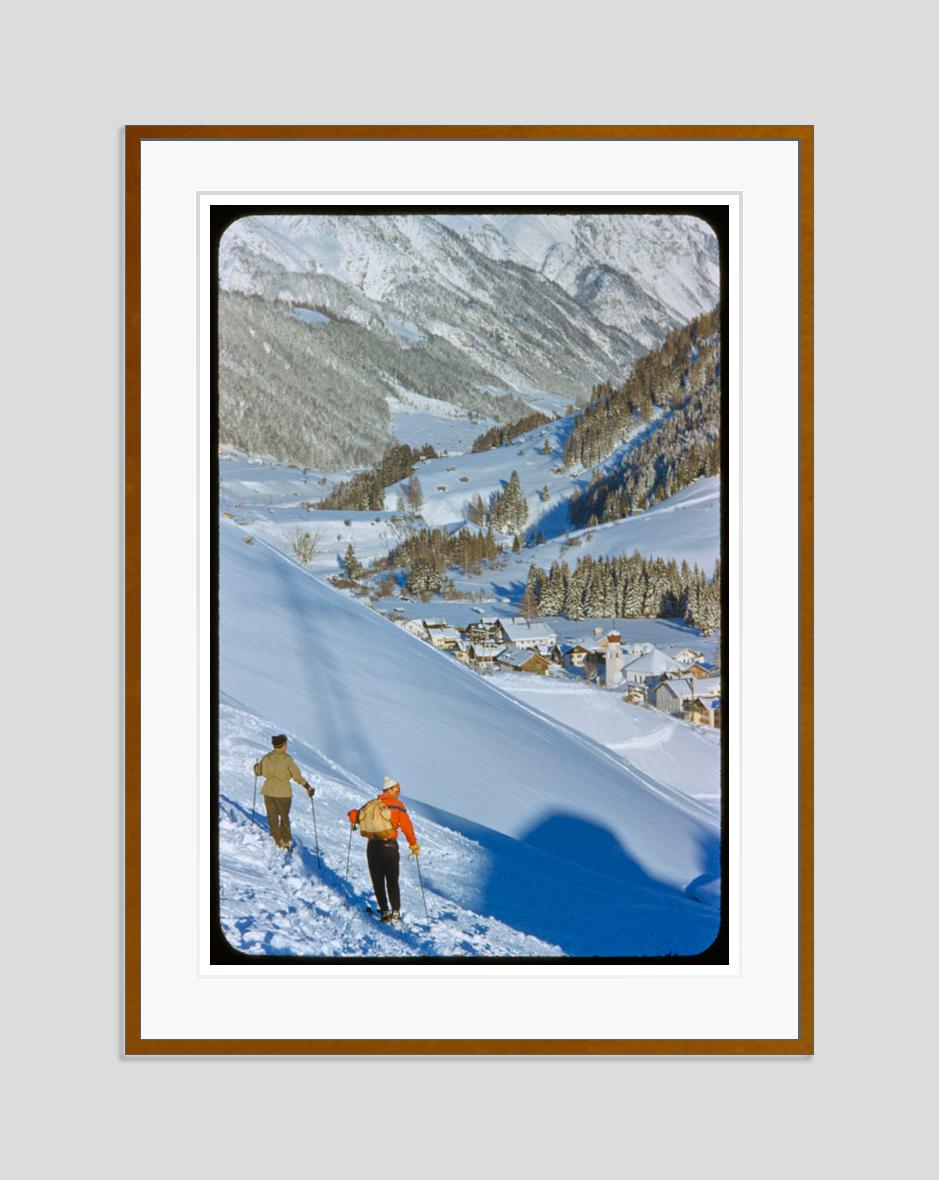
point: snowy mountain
(641, 275)
(324, 318)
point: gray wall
(76, 74)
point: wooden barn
(516, 659)
(671, 696)
(703, 712)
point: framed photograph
(469, 505)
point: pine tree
(352, 566)
(423, 577)
(575, 605)
(519, 507)
(632, 600)
(509, 510)
(552, 591)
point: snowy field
(663, 747)
(686, 527)
(268, 501)
(448, 483)
(417, 420)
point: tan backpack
(375, 819)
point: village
(673, 678)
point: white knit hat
(389, 783)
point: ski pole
(254, 801)
(349, 854)
(316, 838)
(417, 861)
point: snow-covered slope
(448, 483)
(686, 527)
(315, 905)
(268, 500)
(663, 747)
(567, 843)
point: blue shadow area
(614, 909)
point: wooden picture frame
(137, 1040)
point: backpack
(375, 819)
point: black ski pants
(383, 864)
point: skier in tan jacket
(278, 768)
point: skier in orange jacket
(380, 821)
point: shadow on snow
(615, 909)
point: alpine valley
(330, 325)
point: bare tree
(305, 545)
(415, 494)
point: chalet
(482, 656)
(530, 636)
(700, 670)
(570, 655)
(517, 659)
(672, 695)
(412, 626)
(444, 638)
(707, 686)
(486, 629)
(649, 667)
(461, 651)
(703, 712)
(685, 656)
